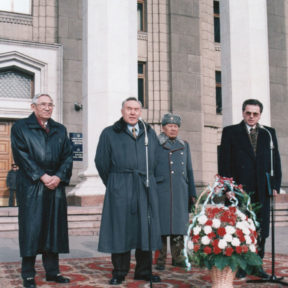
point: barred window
(16, 6)
(15, 83)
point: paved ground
(86, 246)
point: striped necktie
(134, 132)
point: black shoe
(160, 267)
(57, 278)
(116, 280)
(241, 274)
(154, 278)
(29, 283)
(262, 274)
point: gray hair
(131, 99)
(37, 96)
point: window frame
(217, 34)
(143, 76)
(218, 87)
(142, 21)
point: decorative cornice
(19, 19)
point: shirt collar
(135, 126)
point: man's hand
(275, 192)
(51, 182)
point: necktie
(134, 132)
(253, 138)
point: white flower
(227, 237)
(240, 225)
(216, 223)
(248, 239)
(196, 230)
(235, 242)
(251, 224)
(252, 248)
(241, 215)
(190, 245)
(222, 244)
(230, 229)
(202, 219)
(205, 240)
(246, 231)
(207, 229)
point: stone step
(81, 221)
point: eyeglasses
(43, 105)
(254, 114)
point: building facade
(90, 55)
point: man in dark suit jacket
(245, 156)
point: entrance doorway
(6, 159)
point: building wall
(70, 29)
(278, 43)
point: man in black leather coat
(43, 153)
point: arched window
(15, 83)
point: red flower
(244, 249)
(240, 235)
(211, 235)
(207, 250)
(217, 250)
(209, 222)
(238, 249)
(229, 251)
(221, 231)
(215, 243)
(196, 248)
(195, 238)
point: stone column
(109, 77)
(245, 62)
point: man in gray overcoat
(176, 189)
(43, 153)
(121, 163)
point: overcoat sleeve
(276, 181)
(103, 156)
(225, 169)
(21, 154)
(64, 172)
(190, 176)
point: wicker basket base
(222, 278)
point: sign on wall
(77, 146)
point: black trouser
(261, 246)
(121, 263)
(11, 197)
(50, 263)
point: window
(216, 21)
(142, 97)
(218, 92)
(16, 6)
(141, 15)
(15, 83)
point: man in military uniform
(176, 189)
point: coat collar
(164, 141)
(121, 126)
(32, 122)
